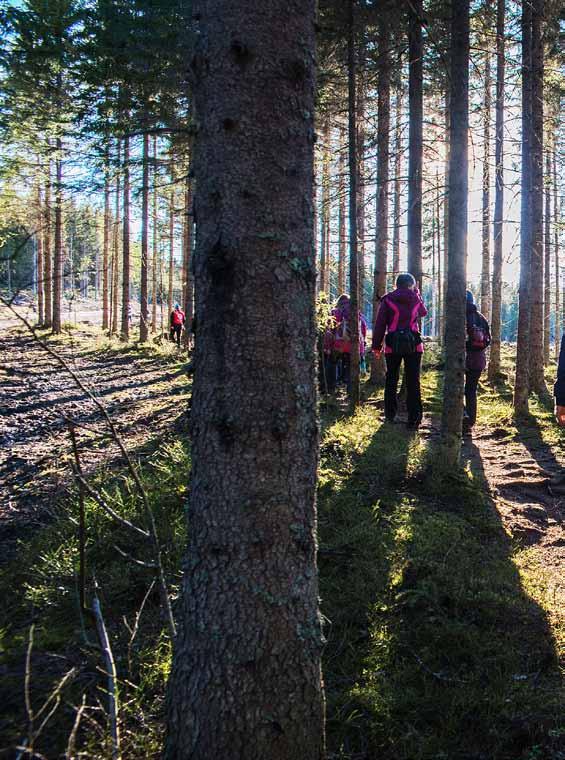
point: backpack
(403, 342)
(477, 336)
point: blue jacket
(559, 387)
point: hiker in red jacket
(397, 324)
(478, 340)
(177, 322)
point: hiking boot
(556, 485)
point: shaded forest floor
(443, 592)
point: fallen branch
(113, 697)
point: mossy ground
(443, 641)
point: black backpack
(403, 342)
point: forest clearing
(282, 380)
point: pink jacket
(398, 310)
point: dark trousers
(175, 333)
(471, 382)
(413, 395)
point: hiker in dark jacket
(397, 324)
(557, 483)
(478, 339)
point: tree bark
(522, 381)
(485, 270)
(58, 252)
(40, 261)
(455, 328)
(361, 97)
(558, 303)
(155, 256)
(440, 291)
(188, 290)
(537, 378)
(495, 327)
(125, 246)
(325, 215)
(116, 246)
(106, 242)
(341, 227)
(354, 269)
(143, 326)
(415, 139)
(246, 680)
(381, 210)
(171, 248)
(397, 212)
(48, 263)
(547, 260)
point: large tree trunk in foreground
(188, 286)
(246, 681)
(381, 211)
(397, 173)
(537, 380)
(522, 381)
(415, 139)
(455, 328)
(495, 327)
(341, 219)
(125, 247)
(324, 286)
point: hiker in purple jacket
(397, 324)
(478, 339)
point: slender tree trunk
(171, 248)
(447, 138)
(537, 379)
(415, 138)
(494, 362)
(440, 292)
(381, 211)
(40, 260)
(325, 215)
(188, 291)
(547, 261)
(354, 395)
(397, 213)
(522, 382)
(485, 271)
(143, 326)
(125, 246)
(556, 251)
(106, 243)
(360, 150)
(455, 329)
(47, 256)
(246, 680)
(341, 225)
(58, 252)
(116, 246)
(155, 257)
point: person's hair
(177, 306)
(342, 297)
(405, 280)
(470, 298)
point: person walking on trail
(342, 338)
(557, 483)
(397, 327)
(177, 322)
(478, 340)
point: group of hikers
(396, 335)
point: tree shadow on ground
(435, 648)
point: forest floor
(443, 592)
(39, 398)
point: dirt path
(145, 395)
(516, 469)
